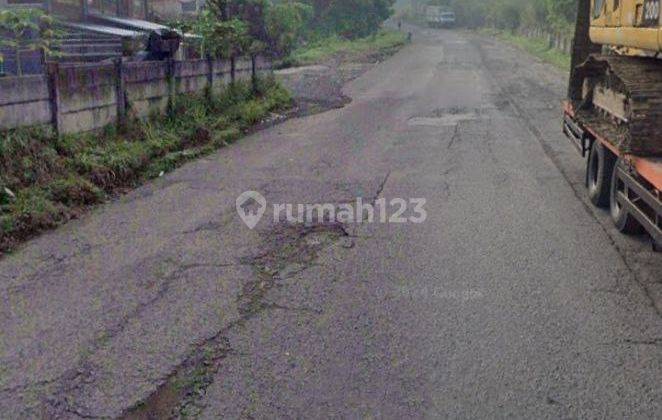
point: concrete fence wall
(86, 96)
(83, 97)
(24, 101)
(147, 88)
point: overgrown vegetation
(233, 27)
(538, 47)
(382, 43)
(349, 18)
(46, 180)
(26, 29)
(554, 15)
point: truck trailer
(613, 114)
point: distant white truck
(439, 17)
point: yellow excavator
(614, 109)
(616, 71)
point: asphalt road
(513, 299)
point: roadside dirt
(318, 88)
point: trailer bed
(639, 178)
(648, 168)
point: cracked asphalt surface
(514, 298)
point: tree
(231, 27)
(286, 25)
(253, 13)
(350, 18)
(505, 14)
(231, 38)
(558, 15)
(30, 29)
(562, 13)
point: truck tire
(599, 169)
(623, 220)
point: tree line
(557, 15)
(233, 27)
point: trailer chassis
(633, 195)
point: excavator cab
(633, 26)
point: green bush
(74, 191)
(350, 18)
(228, 135)
(287, 24)
(326, 48)
(540, 48)
(28, 156)
(33, 208)
(252, 112)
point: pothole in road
(445, 117)
(288, 249)
(451, 63)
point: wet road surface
(513, 298)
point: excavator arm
(582, 47)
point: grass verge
(383, 43)
(538, 47)
(46, 180)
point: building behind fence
(78, 97)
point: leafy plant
(29, 29)
(286, 26)
(350, 18)
(228, 38)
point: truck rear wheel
(623, 220)
(599, 169)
